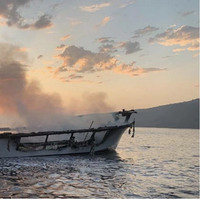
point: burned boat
(77, 141)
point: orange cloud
(133, 70)
(103, 22)
(67, 80)
(126, 4)
(179, 49)
(3, 23)
(196, 55)
(78, 60)
(22, 49)
(49, 68)
(183, 36)
(94, 8)
(194, 47)
(65, 37)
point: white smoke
(36, 109)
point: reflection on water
(157, 163)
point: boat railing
(100, 129)
(59, 145)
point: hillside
(178, 115)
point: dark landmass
(5, 129)
(12, 129)
(178, 115)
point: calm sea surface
(157, 163)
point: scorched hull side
(8, 147)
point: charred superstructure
(66, 142)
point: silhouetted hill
(5, 129)
(178, 115)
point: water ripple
(140, 169)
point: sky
(97, 56)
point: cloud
(74, 76)
(22, 49)
(43, 22)
(147, 29)
(135, 36)
(107, 48)
(81, 80)
(62, 46)
(94, 8)
(105, 40)
(78, 60)
(82, 60)
(173, 25)
(166, 56)
(179, 49)
(40, 56)
(103, 22)
(9, 11)
(55, 5)
(49, 68)
(184, 14)
(108, 45)
(60, 69)
(130, 47)
(183, 36)
(194, 47)
(196, 55)
(135, 71)
(65, 37)
(126, 4)
(75, 23)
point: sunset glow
(98, 56)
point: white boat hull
(9, 148)
(66, 142)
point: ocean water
(157, 163)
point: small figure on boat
(133, 126)
(72, 142)
(93, 145)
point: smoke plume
(26, 100)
